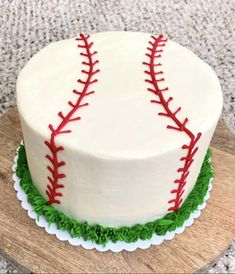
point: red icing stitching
(55, 164)
(191, 149)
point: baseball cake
(116, 129)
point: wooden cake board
(198, 245)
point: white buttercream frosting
(121, 160)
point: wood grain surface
(33, 248)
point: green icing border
(101, 235)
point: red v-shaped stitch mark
(53, 188)
(155, 76)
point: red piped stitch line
(154, 52)
(55, 164)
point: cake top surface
(120, 121)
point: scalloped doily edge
(115, 247)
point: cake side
(121, 159)
(108, 235)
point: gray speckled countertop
(205, 26)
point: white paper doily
(115, 247)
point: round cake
(116, 125)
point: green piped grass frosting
(101, 235)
